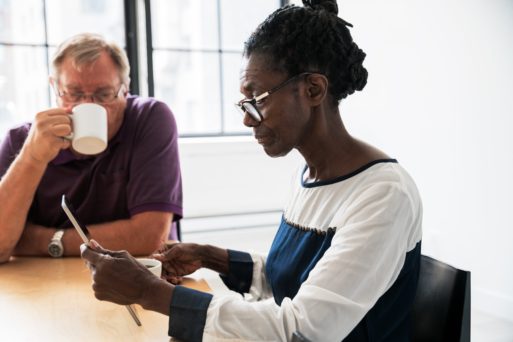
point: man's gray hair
(84, 49)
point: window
(23, 61)
(29, 33)
(194, 52)
(197, 49)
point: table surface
(46, 299)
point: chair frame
(441, 309)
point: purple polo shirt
(139, 171)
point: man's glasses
(250, 105)
(99, 97)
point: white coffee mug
(89, 122)
(154, 265)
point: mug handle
(69, 136)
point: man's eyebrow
(104, 88)
(78, 87)
(71, 86)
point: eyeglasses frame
(259, 117)
(61, 93)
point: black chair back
(441, 310)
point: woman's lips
(261, 139)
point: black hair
(311, 38)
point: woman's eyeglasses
(250, 105)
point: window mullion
(47, 50)
(132, 49)
(149, 49)
(220, 55)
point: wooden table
(46, 299)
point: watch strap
(55, 247)
(57, 236)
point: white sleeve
(365, 257)
(260, 288)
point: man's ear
(316, 88)
(126, 89)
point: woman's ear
(316, 88)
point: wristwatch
(55, 247)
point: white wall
(233, 192)
(440, 100)
(230, 175)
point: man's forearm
(140, 235)
(34, 241)
(17, 189)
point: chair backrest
(441, 310)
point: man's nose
(86, 98)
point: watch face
(55, 250)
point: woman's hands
(178, 260)
(119, 278)
(181, 259)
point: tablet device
(84, 234)
(70, 212)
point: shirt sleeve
(6, 155)
(240, 275)
(11, 146)
(364, 260)
(155, 179)
(247, 274)
(188, 310)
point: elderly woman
(345, 260)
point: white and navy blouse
(343, 267)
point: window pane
(188, 82)
(23, 84)
(240, 18)
(22, 22)
(231, 92)
(190, 24)
(68, 17)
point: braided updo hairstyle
(311, 38)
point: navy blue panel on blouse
(292, 256)
(390, 318)
(295, 252)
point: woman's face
(285, 115)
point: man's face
(94, 81)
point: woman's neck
(330, 151)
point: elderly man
(129, 194)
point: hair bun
(357, 72)
(327, 5)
